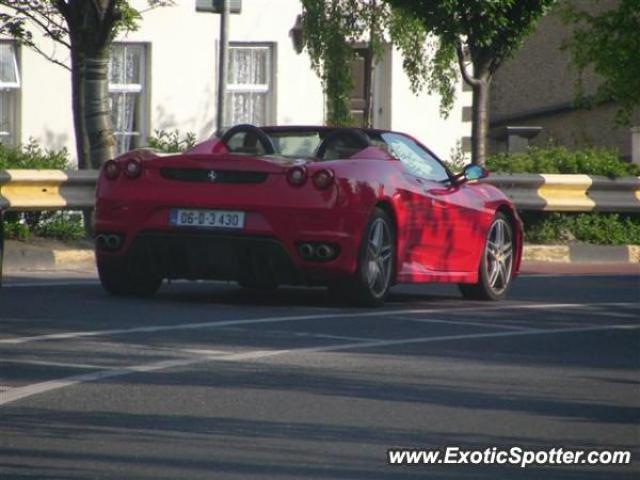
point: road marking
(19, 393)
(201, 351)
(296, 318)
(463, 322)
(335, 337)
(46, 363)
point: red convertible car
(357, 210)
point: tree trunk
(97, 116)
(77, 89)
(480, 126)
(82, 140)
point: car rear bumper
(212, 256)
(250, 259)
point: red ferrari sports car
(357, 210)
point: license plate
(206, 218)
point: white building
(163, 76)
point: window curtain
(124, 77)
(248, 85)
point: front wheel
(495, 273)
(376, 263)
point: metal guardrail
(24, 190)
(570, 193)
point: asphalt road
(208, 381)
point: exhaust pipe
(325, 252)
(306, 251)
(113, 242)
(101, 241)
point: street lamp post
(223, 8)
(222, 67)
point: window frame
(14, 88)
(269, 88)
(140, 88)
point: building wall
(537, 88)
(182, 64)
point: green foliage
(14, 228)
(488, 31)
(329, 28)
(590, 161)
(61, 225)
(332, 27)
(596, 228)
(172, 142)
(58, 225)
(609, 42)
(33, 156)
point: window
(249, 96)
(416, 160)
(128, 95)
(9, 90)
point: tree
(483, 33)
(610, 43)
(332, 28)
(87, 28)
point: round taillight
(323, 179)
(111, 169)
(133, 168)
(297, 176)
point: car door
(443, 234)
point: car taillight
(111, 169)
(133, 168)
(296, 176)
(323, 179)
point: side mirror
(474, 172)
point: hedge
(590, 161)
(33, 156)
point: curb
(580, 253)
(21, 257)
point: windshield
(296, 144)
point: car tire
(495, 273)
(118, 279)
(374, 275)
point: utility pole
(222, 67)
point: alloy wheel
(499, 256)
(379, 259)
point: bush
(58, 225)
(597, 228)
(20, 226)
(591, 161)
(32, 155)
(172, 142)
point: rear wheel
(118, 278)
(376, 263)
(496, 264)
